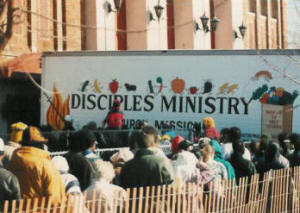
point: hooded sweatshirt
(219, 158)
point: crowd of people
(27, 169)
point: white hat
(1, 146)
(60, 163)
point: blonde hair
(105, 170)
(207, 151)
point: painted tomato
(178, 85)
(114, 86)
(193, 90)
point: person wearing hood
(218, 155)
(114, 118)
(294, 158)
(242, 166)
(9, 184)
(185, 169)
(210, 130)
(33, 167)
(14, 143)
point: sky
(293, 18)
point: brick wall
(33, 33)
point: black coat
(82, 168)
(294, 159)
(9, 186)
(242, 167)
(146, 169)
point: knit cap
(17, 130)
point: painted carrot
(266, 74)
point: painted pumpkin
(178, 85)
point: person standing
(114, 118)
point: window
(274, 10)
(264, 7)
(252, 6)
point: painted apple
(114, 86)
(193, 90)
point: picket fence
(277, 191)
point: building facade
(136, 26)
(66, 25)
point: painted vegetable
(232, 88)
(96, 86)
(178, 85)
(193, 90)
(150, 86)
(265, 74)
(264, 98)
(159, 80)
(223, 87)
(84, 85)
(114, 86)
(130, 87)
(207, 87)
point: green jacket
(146, 169)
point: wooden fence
(277, 191)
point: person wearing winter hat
(9, 184)
(118, 160)
(210, 130)
(16, 137)
(71, 183)
(175, 142)
(112, 196)
(115, 117)
(34, 169)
